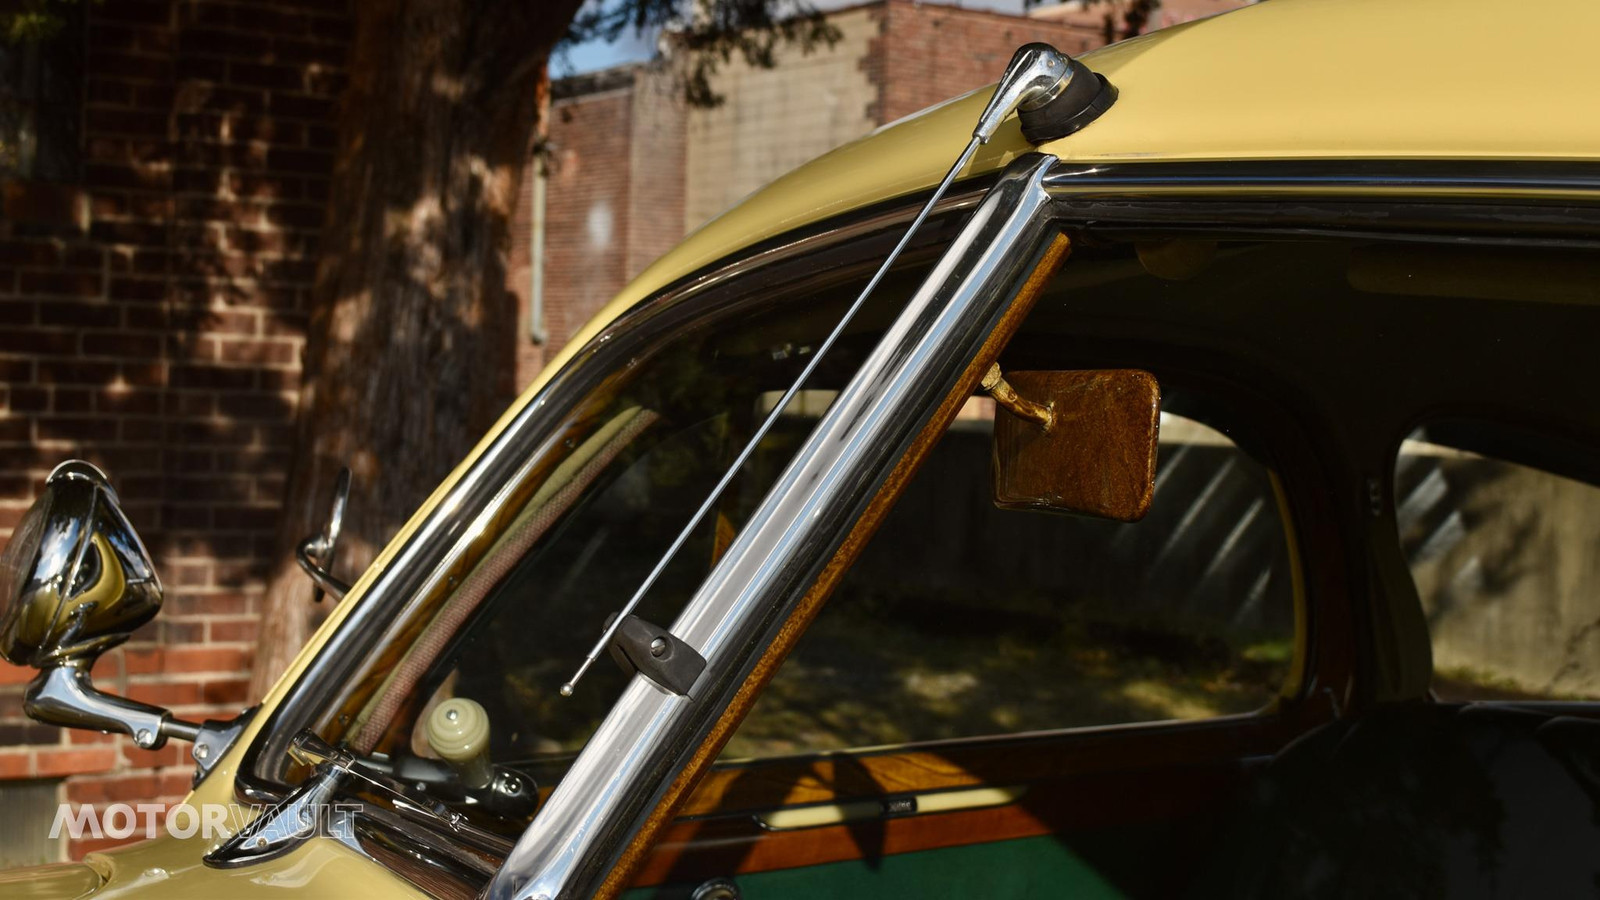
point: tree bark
(409, 353)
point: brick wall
(656, 161)
(928, 54)
(586, 209)
(614, 200)
(151, 320)
(632, 170)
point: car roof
(1284, 79)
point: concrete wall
(1505, 563)
(776, 119)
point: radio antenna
(1038, 74)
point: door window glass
(1505, 563)
(961, 619)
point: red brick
(83, 256)
(15, 764)
(127, 122)
(173, 754)
(148, 234)
(69, 284)
(296, 215)
(113, 789)
(121, 345)
(149, 289)
(309, 162)
(166, 693)
(46, 343)
(243, 630)
(297, 51)
(17, 312)
(29, 253)
(79, 315)
(216, 377)
(303, 107)
(268, 352)
(15, 430)
(28, 399)
(77, 430)
(227, 43)
(117, 175)
(207, 659)
(255, 406)
(52, 762)
(143, 12)
(63, 372)
(245, 518)
(271, 77)
(135, 402)
(69, 400)
(227, 692)
(109, 92)
(43, 204)
(133, 66)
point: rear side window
(1506, 559)
(963, 620)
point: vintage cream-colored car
(1335, 637)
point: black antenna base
(1086, 96)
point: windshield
(578, 536)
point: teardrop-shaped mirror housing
(75, 579)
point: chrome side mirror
(76, 581)
(316, 553)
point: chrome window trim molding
(1551, 178)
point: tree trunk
(409, 353)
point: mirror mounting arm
(1041, 414)
(315, 553)
(65, 695)
(310, 555)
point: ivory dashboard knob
(458, 730)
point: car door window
(961, 619)
(1504, 559)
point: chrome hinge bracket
(638, 646)
(214, 739)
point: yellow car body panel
(1289, 79)
(171, 868)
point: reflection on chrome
(651, 733)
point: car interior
(1331, 660)
(1416, 751)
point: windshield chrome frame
(649, 736)
(445, 534)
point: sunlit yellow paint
(1288, 79)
